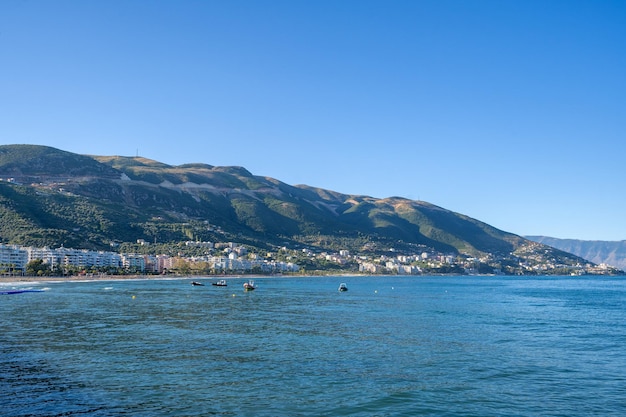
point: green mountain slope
(33, 162)
(52, 197)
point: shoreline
(22, 280)
(17, 280)
(73, 278)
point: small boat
(343, 287)
(197, 283)
(249, 286)
(220, 283)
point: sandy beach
(75, 278)
(88, 278)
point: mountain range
(51, 197)
(597, 251)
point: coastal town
(20, 260)
(232, 258)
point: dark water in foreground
(390, 346)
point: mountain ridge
(53, 197)
(597, 251)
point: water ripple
(391, 346)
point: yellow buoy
(133, 297)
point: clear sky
(511, 112)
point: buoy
(133, 297)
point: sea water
(389, 346)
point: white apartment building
(133, 261)
(82, 258)
(12, 258)
(17, 257)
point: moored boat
(220, 283)
(343, 287)
(196, 283)
(249, 286)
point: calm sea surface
(390, 346)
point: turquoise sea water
(390, 346)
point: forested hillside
(50, 197)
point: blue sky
(511, 112)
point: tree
(182, 267)
(37, 267)
(7, 269)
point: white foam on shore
(18, 283)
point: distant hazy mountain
(597, 251)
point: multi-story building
(81, 258)
(133, 262)
(12, 259)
